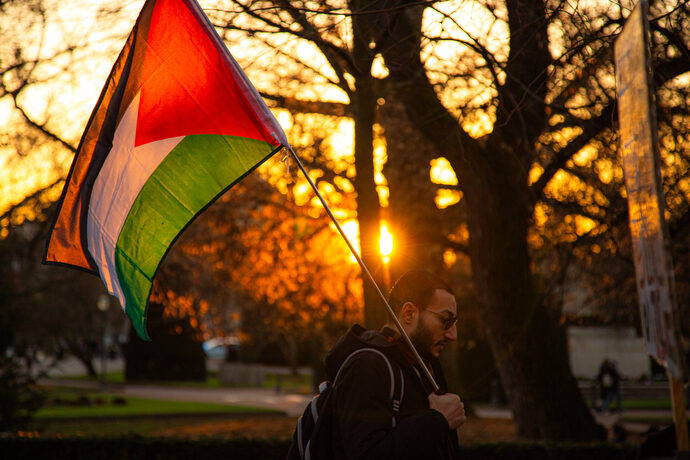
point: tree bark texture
(363, 103)
(418, 229)
(414, 219)
(528, 346)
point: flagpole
(366, 271)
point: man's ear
(408, 313)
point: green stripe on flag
(195, 172)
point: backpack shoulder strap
(373, 350)
(394, 396)
(398, 396)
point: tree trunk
(418, 229)
(528, 347)
(291, 353)
(368, 208)
(174, 352)
(413, 217)
(79, 350)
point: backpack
(312, 437)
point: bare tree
(536, 98)
(347, 60)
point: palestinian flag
(177, 124)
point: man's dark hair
(416, 286)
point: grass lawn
(647, 404)
(212, 380)
(74, 403)
(106, 414)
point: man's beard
(423, 341)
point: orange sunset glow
(209, 205)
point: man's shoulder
(349, 347)
(368, 375)
(370, 360)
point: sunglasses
(448, 321)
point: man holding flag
(176, 125)
(423, 423)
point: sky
(73, 82)
(67, 88)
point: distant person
(422, 424)
(609, 382)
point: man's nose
(452, 333)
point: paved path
(290, 403)
(72, 367)
(606, 419)
(293, 404)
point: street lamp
(103, 303)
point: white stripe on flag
(118, 184)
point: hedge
(252, 449)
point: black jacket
(362, 427)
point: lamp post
(103, 303)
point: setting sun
(385, 243)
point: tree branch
(590, 129)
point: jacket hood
(356, 337)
